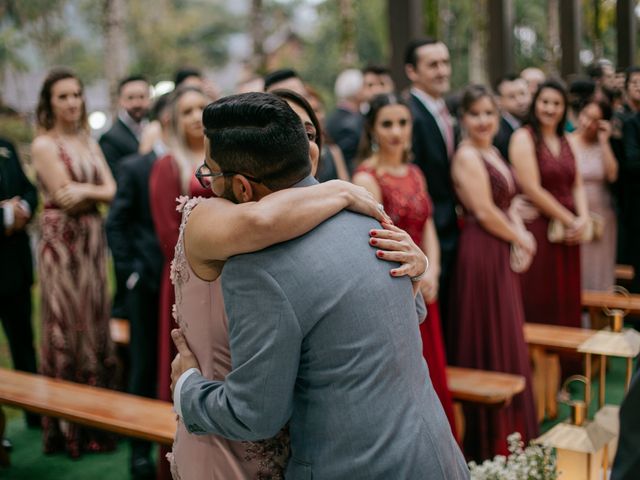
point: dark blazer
(627, 462)
(501, 140)
(16, 271)
(117, 143)
(430, 154)
(345, 129)
(629, 194)
(132, 237)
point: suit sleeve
(119, 219)
(630, 162)
(256, 399)
(164, 189)
(27, 191)
(110, 151)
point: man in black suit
(18, 201)
(345, 124)
(626, 465)
(137, 255)
(514, 100)
(428, 67)
(121, 140)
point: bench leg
(4, 455)
(458, 418)
(538, 380)
(552, 385)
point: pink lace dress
(199, 311)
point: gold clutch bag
(594, 231)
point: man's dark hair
(595, 71)
(278, 76)
(376, 69)
(184, 73)
(159, 105)
(509, 77)
(629, 73)
(259, 135)
(410, 56)
(129, 79)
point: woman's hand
(395, 245)
(360, 200)
(604, 131)
(429, 286)
(71, 195)
(575, 231)
(526, 241)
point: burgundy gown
(407, 202)
(551, 287)
(487, 305)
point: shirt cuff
(176, 391)
(8, 216)
(26, 206)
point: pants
(15, 313)
(143, 318)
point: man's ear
(242, 189)
(410, 71)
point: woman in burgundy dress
(401, 187)
(547, 173)
(172, 176)
(487, 301)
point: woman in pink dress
(546, 170)
(487, 300)
(401, 187)
(202, 248)
(72, 255)
(599, 169)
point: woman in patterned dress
(401, 187)
(72, 253)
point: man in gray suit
(321, 336)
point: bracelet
(417, 278)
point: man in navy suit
(428, 67)
(514, 100)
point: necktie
(445, 118)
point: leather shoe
(142, 468)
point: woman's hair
(471, 94)
(291, 96)
(177, 140)
(602, 103)
(376, 104)
(533, 121)
(44, 112)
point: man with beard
(513, 99)
(123, 139)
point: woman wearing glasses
(212, 230)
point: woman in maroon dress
(172, 176)
(401, 187)
(547, 173)
(487, 301)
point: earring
(374, 146)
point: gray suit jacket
(324, 338)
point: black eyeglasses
(206, 177)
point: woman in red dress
(401, 187)
(546, 169)
(173, 176)
(487, 302)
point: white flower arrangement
(535, 462)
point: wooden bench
(544, 342)
(624, 273)
(99, 408)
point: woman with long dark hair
(547, 172)
(486, 300)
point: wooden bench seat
(117, 412)
(594, 300)
(624, 273)
(480, 386)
